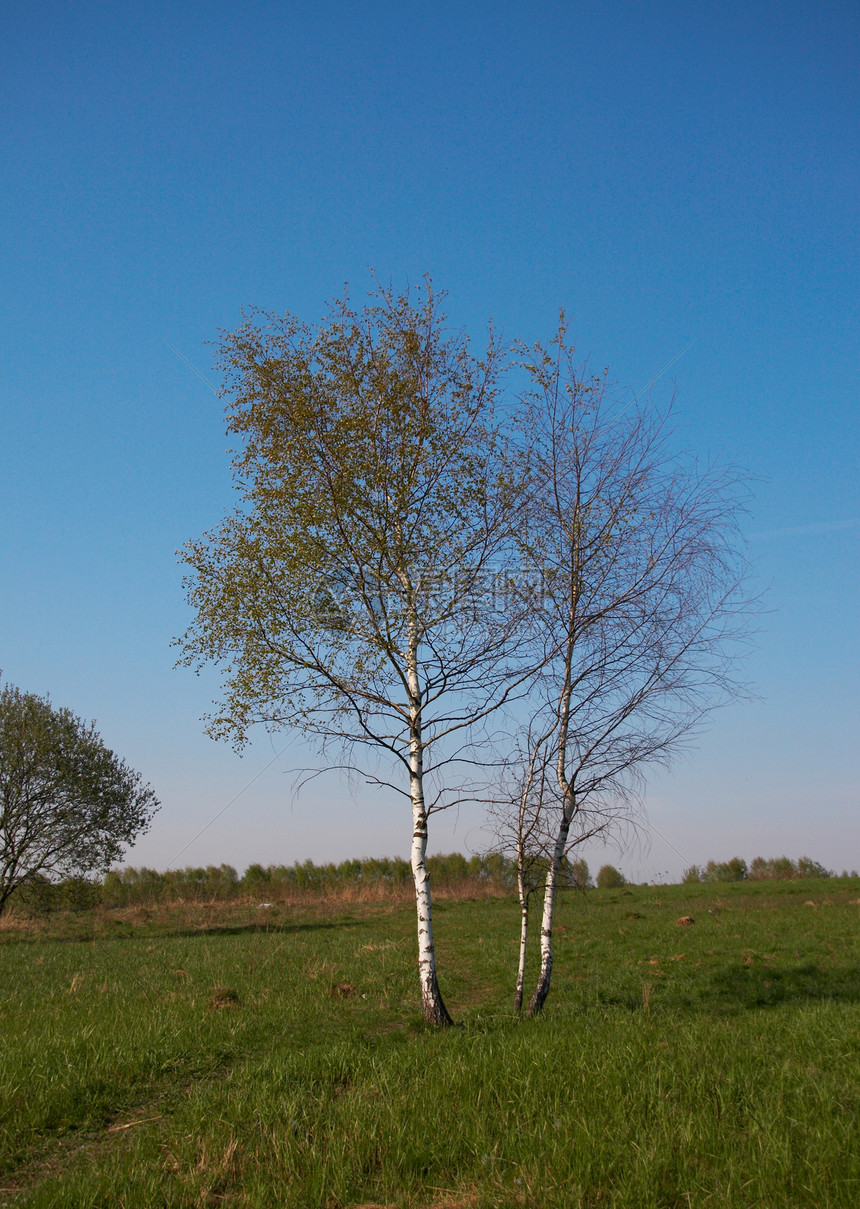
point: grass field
(229, 1055)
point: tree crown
(352, 589)
(68, 804)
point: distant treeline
(373, 879)
(377, 878)
(127, 887)
(759, 870)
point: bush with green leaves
(576, 874)
(807, 867)
(734, 870)
(610, 878)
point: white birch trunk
(524, 935)
(568, 809)
(435, 1011)
(545, 976)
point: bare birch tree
(350, 593)
(516, 808)
(524, 810)
(638, 552)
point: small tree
(578, 874)
(517, 809)
(781, 868)
(68, 805)
(521, 808)
(807, 867)
(610, 878)
(734, 870)
(350, 594)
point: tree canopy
(68, 804)
(351, 591)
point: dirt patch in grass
(223, 997)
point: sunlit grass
(199, 1056)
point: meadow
(224, 1053)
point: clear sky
(668, 172)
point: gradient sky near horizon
(682, 178)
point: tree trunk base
(538, 999)
(437, 1013)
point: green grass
(716, 1064)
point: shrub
(734, 870)
(773, 869)
(579, 875)
(256, 879)
(610, 878)
(806, 867)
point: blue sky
(667, 172)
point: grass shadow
(127, 930)
(739, 987)
(272, 928)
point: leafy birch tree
(352, 592)
(638, 552)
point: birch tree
(524, 810)
(516, 809)
(350, 594)
(643, 603)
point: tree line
(759, 870)
(374, 878)
(383, 878)
(305, 878)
